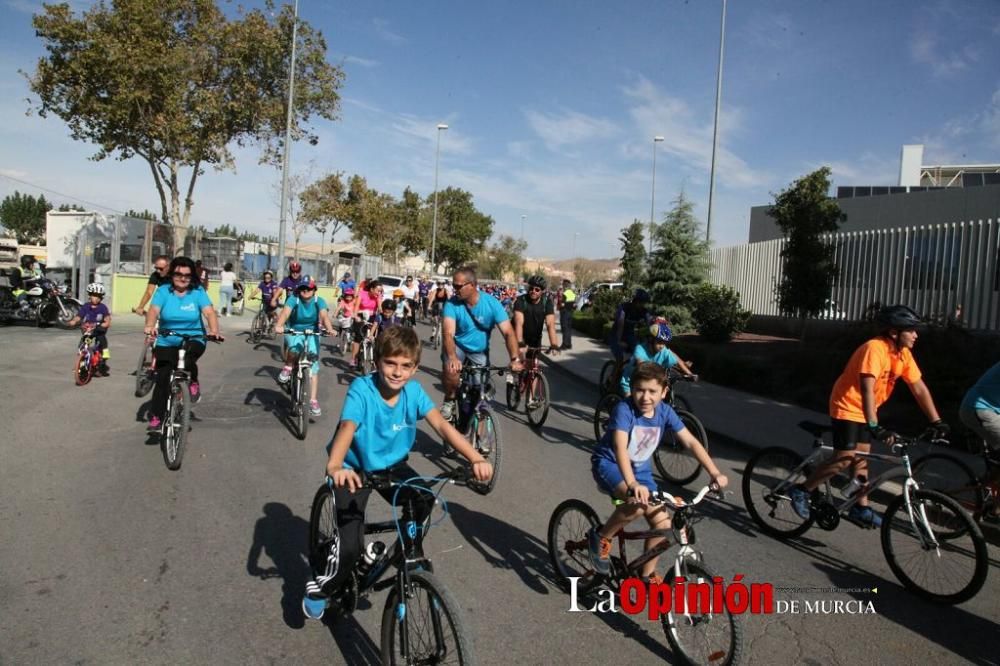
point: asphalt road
(107, 557)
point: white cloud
(868, 169)
(364, 62)
(569, 128)
(944, 61)
(422, 133)
(383, 31)
(966, 138)
(687, 136)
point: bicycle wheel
(82, 371)
(950, 573)
(301, 398)
(537, 402)
(675, 461)
(434, 633)
(175, 425)
(767, 478)
(951, 476)
(322, 529)
(680, 402)
(606, 384)
(702, 637)
(484, 434)
(144, 378)
(514, 393)
(257, 328)
(602, 413)
(568, 548)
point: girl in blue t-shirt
(303, 311)
(622, 468)
(377, 429)
(653, 350)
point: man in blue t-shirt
(467, 320)
(346, 282)
(303, 311)
(377, 429)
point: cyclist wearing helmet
(347, 306)
(862, 388)
(288, 284)
(94, 315)
(534, 311)
(305, 310)
(403, 308)
(654, 350)
(267, 288)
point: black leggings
(166, 360)
(351, 520)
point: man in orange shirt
(866, 383)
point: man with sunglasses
(468, 319)
(159, 276)
(534, 311)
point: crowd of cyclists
(376, 428)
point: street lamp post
(715, 132)
(652, 198)
(523, 218)
(288, 147)
(434, 225)
(574, 244)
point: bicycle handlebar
(384, 480)
(322, 332)
(185, 337)
(663, 497)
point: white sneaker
(286, 375)
(448, 409)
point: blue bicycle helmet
(305, 283)
(661, 332)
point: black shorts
(848, 434)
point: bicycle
(435, 331)
(344, 336)
(177, 418)
(920, 527)
(298, 386)
(474, 418)
(533, 385)
(262, 325)
(145, 372)
(421, 621)
(698, 638)
(367, 350)
(978, 495)
(88, 357)
(672, 459)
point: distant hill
(591, 269)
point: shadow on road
(274, 402)
(280, 535)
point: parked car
(584, 299)
(390, 282)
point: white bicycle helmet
(95, 288)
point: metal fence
(943, 271)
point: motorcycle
(46, 303)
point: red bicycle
(88, 357)
(531, 384)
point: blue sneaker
(865, 515)
(314, 607)
(800, 501)
(600, 552)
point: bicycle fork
(922, 527)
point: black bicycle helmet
(537, 281)
(641, 296)
(898, 317)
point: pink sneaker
(195, 389)
(155, 423)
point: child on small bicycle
(346, 308)
(266, 288)
(305, 310)
(388, 317)
(654, 350)
(94, 315)
(622, 468)
(403, 309)
(377, 429)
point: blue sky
(552, 108)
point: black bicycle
(474, 417)
(421, 621)
(673, 460)
(177, 417)
(262, 325)
(298, 386)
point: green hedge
(592, 328)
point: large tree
(679, 262)
(503, 258)
(23, 216)
(633, 255)
(177, 82)
(462, 230)
(804, 212)
(374, 219)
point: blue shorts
(294, 344)
(608, 475)
(479, 358)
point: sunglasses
(536, 289)
(456, 286)
(162, 268)
(182, 276)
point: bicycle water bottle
(852, 488)
(372, 554)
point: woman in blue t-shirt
(303, 311)
(179, 306)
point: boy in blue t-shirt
(303, 311)
(95, 316)
(388, 317)
(622, 468)
(378, 426)
(653, 351)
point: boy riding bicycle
(377, 429)
(862, 388)
(621, 463)
(653, 351)
(94, 315)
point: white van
(583, 300)
(390, 282)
